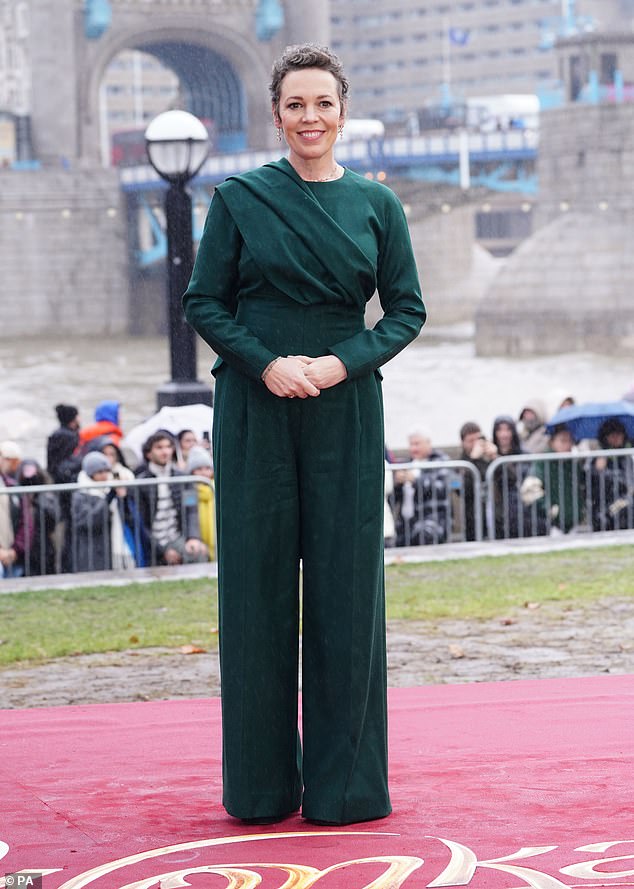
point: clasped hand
(299, 376)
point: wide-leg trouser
(301, 479)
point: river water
(435, 385)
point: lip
(311, 135)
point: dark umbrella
(584, 420)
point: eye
(326, 103)
(294, 105)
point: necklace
(334, 174)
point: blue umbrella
(584, 420)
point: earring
(340, 131)
(279, 134)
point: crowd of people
(531, 496)
(105, 522)
(115, 526)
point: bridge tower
(220, 49)
(569, 286)
(63, 226)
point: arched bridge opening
(209, 88)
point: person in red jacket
(106, 423)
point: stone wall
(586, 160)
(570, 286)
(454, 270)
(566, 289)
(63, 253)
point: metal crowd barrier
(435, 501)
(575, 493)
(63, 528)
(432, 502)
(525, 495)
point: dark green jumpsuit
(285, 267)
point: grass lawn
(52, 623)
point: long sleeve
(210, 300)
(270, 233)
(399, 292)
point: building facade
(15, 80)
(138, 87)
(405, 55)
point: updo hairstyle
(307, 55)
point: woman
(186, 441)
(556, 487)
(290, 255)
(510, 520)
(199, 463)
(38, 516)
(98, 519)
(612, 480)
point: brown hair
(468, 428)
(307, 55)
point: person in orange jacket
(106, 423)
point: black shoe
(269, 819)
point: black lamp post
(177, 147)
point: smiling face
(309, 113)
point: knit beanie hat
(66, 413)
(198, 458)
(94, 462)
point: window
(21, 21)
(609, 65)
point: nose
(310, 112)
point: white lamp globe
(177, 144)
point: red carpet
(127, 796)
